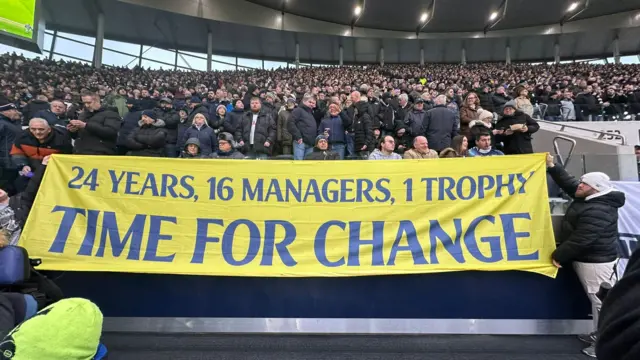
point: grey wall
(617, 161)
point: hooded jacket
(147, 139)
(69, 329)
(186, 155)
(589, 230)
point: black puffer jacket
(100, 134)
(589, 231)
(265, 131)
(232, 121)
(171, 120)
(147, 140)
(362, 126)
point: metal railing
(564, 162)
(601, 134)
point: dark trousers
(14, 309)
(171, 150)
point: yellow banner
(284, 218)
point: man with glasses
(321, 150)
(385, 150)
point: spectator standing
(218, 119)
(500, 98)
(415, 119)
(589, 233)
(420, 150)
(321, 150)
(171, 119)
(568, 110)
(41, 102)
(588, 104)
(269, 105)
(362, 127)
(146, 102)
(9, 130)
(385, 151)
(119, 101)
(404, 106)
(56, 115)
(257, 134)
(483, 146)
(517, 128)
(303, 127)
(523, 103)
(197, 107)
(469, 112)
(333, 126)
(97, 130)
(201, 130)
(284, 137)
(233, 119)
(150, 138)
(486, 98)
(440, 125)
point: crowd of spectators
(322, 113)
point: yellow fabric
(350, 218)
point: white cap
(597, 180)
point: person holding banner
(589, 234)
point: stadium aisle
(314, 347)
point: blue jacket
(337, 126)
(206, 136)
(52, 118)
(473, 152)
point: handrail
(556, 148)
(602, 134)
